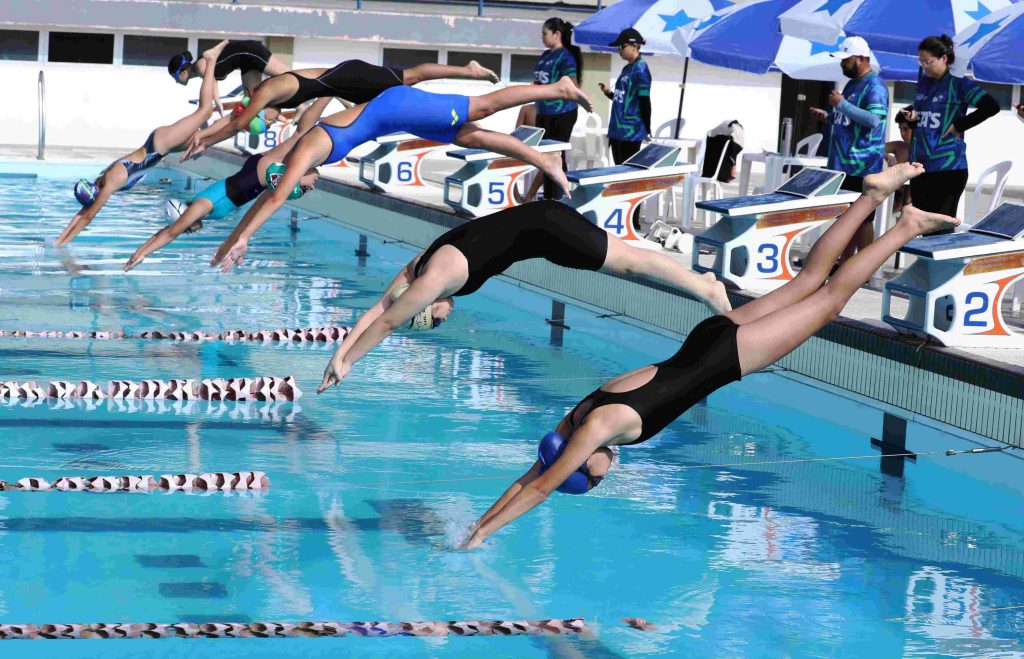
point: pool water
(714, 531)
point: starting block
(956, 286)
(752, 240)
(486, 182)
(396, 162)
(607, 196)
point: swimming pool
(372, 482)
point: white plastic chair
(595, 144)
(705, 187)
(1002, 173)
(668, 129)
(805, 147)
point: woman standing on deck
(630, 123)
(634, 407)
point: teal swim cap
(275, 172)
(258, 125)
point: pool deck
(977, 390)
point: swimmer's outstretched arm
(306, 154)
(195, 212)
(423, 291)
(84, 217)
(593, 434)
(531, 475)
(219, 132)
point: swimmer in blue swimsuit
(634, 407)
(353, 81)
(125, 172)
(220, 199)
(438, 117)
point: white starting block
(277, 132)
(956, 286)
(752, 241)
(486, 182)
(607, 196)
(396, 162)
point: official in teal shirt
(630, 122)
(560, 60)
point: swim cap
(85, 192)
(258, 125)
(275, 172)
(424, 320)
(549, 450)
(174, 208)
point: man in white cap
(856, 144)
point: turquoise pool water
(372, 483)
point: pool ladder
(42, 117)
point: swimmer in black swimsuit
(354, 81)
(129, 170)
(251, 58)
(438, 117)
(636, 406)
(224, 197)
(460, 261)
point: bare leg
(829, 246)
(169, 138)
(472, 71)
(625, 259)
(474, 137)
(510, 97)
(775, 335)
(275, 67)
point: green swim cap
(275, 172)
(258, 124)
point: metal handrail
(42, 117)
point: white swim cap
(174, 209)
(424, 320)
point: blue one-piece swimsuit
(436, 117)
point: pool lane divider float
(217, 481)
(552, 627)
(213, 389)
(301, 335)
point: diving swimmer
(224, 197)
(251, 58)
(353, 80)
(127, 171)
(460, 261)
(634, 407)
(438, 117)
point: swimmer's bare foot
(919, 222)
(574, 93)
(214, 52)
(715, 296)
(480, 72)
(879, 186)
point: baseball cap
(853, 47)
(629, 35)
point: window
(19, 45)
(81, 48)
(491, 61)
(151, 51)
(1002, 93)
(522, 68)
(406, 58)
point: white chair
(697, 187)
(974, 213)
(668, 129)
(595, 144)
(805, 147)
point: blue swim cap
(275, 172)
(86, 192)
(550, 449)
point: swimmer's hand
(133, 261)
(230, 254)
(473, 542)
(335, 372)
(195, 148)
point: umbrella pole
(682, 91)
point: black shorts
(243, 56)
(939, 192)
(623, 150)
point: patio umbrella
(990, 49)
(895, 26)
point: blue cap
(86, 192)
(550, 449)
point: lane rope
(223, 481)
(215, 389)
(300, 335)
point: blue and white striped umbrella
(657, 20)
(894, 26)
(993, 48)
(744, 37)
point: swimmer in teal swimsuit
(634, 407)
(222, 198)
(125, 172)
(438, 117)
